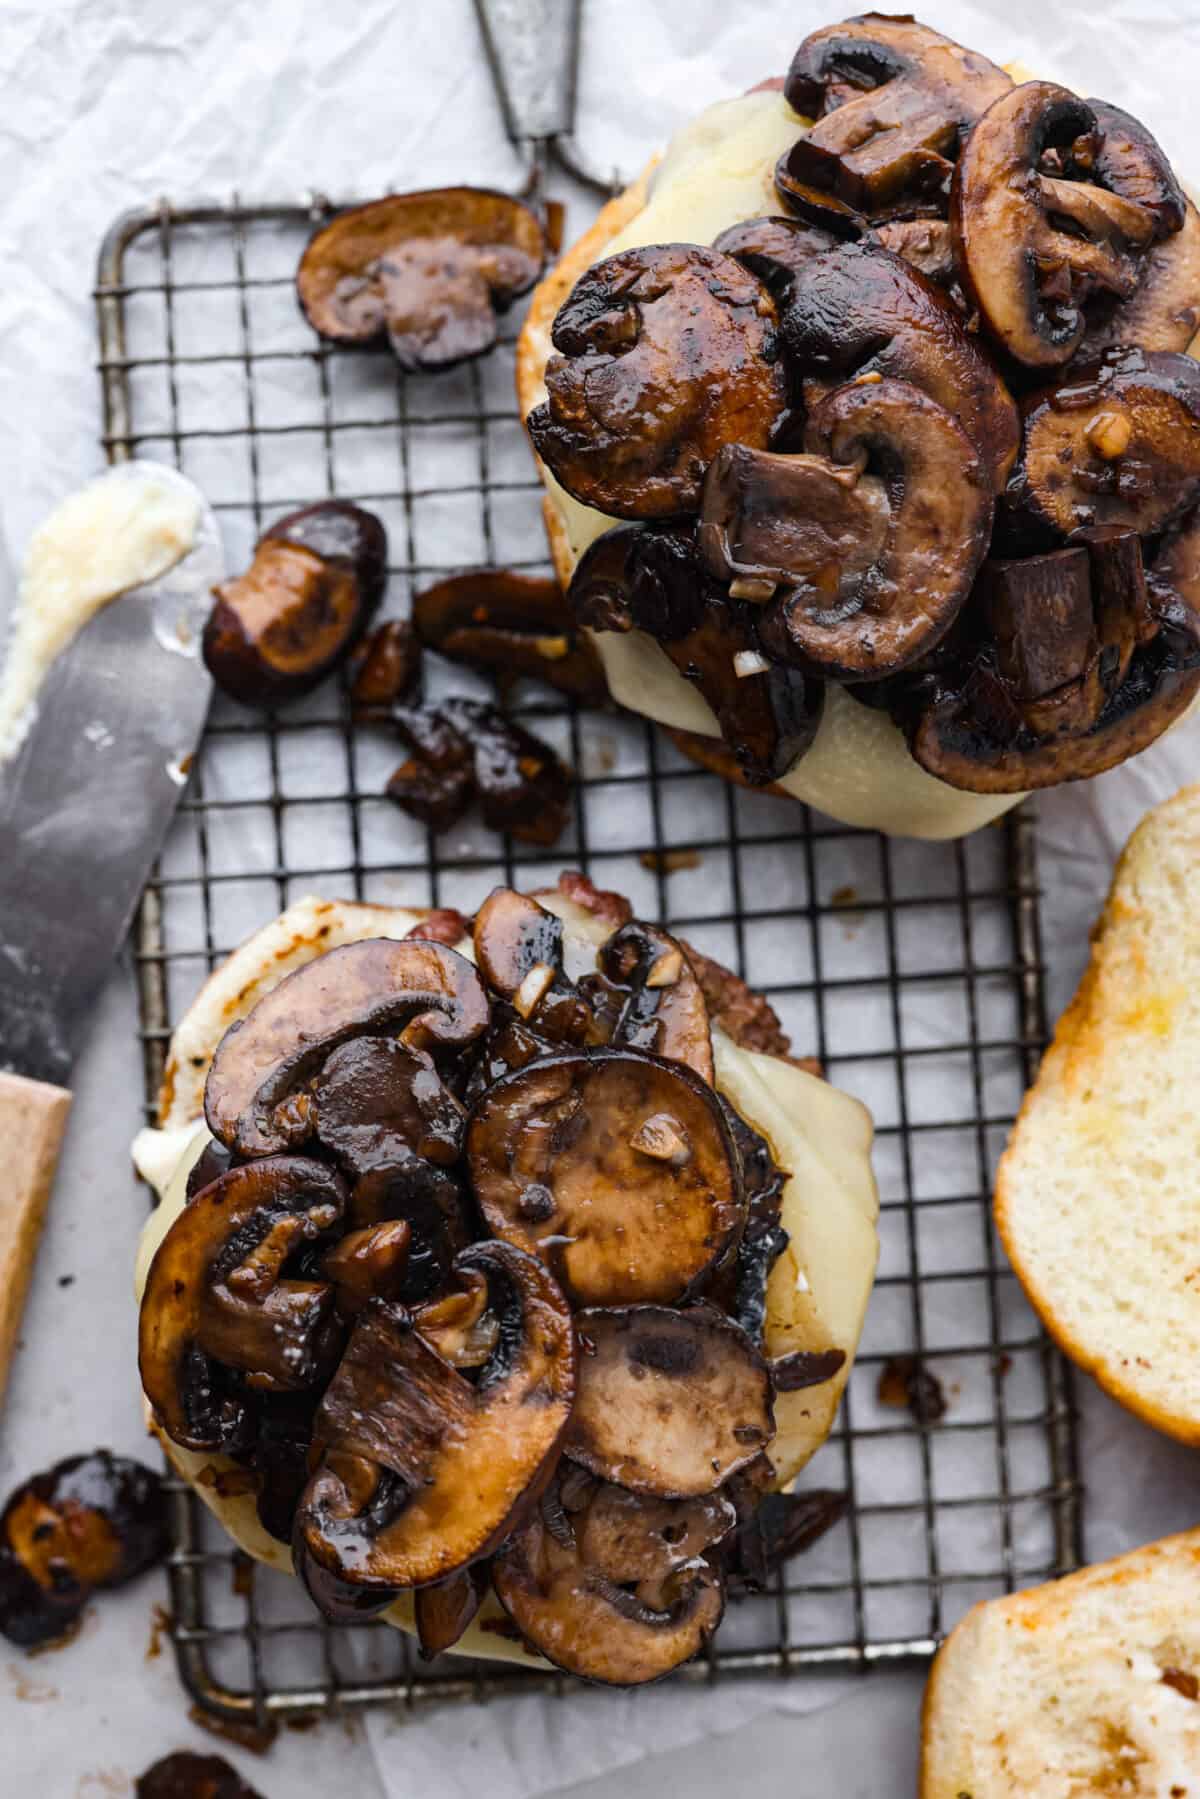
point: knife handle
(33, 1117)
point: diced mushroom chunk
(862, 311)
(663, 355)
(218, 1298)
(423, 1472)
(429, 993)
(510, 625)
(385, 670)
(464, 751)
(893, 100)
(617, 1588)
(317, 577)
(428, 272)
(1116, 443)
(1034, 245)
(90, 1522)
(618, 1224)
(670, 1402)
(652, 578)
(664, 1011)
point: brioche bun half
(819, 1287)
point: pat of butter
(126, 528)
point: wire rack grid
(911, 970)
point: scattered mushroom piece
(511, 625)
(216, 1298)
(428, 272)
(1163, 313)
(186, 1775)
(652, 578)
(563, 1166)
(317, 577)
(90, 1522)
(424, 1472)
(385, 670)
(444, 1610)
(665, 353)
(893, 101)
(376, 1098)
(665, 1011)
(669, 1402)
(940, 516)
(806, 1368)
(1117, 443)
(618, 1589)
(428, 993)
(861, 311)
(1032, 245)
(463, 751)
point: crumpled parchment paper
(103, 105)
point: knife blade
(84, 807)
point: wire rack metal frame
(839, 908)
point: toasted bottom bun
(819, 1287)
(1085, 1685)
(1098, 1192)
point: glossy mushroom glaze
(955, 347)
(471, 1287)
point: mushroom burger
(871, 438)
(502, 1267)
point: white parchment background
(103, 105)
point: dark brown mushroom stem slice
(464, 751)
(774, 248)
(940, 517)
(669, 1402)
(665, 1010)
(317, 577)
(652, 579)
(444, 1611)
(977, 730)
(385, 670)
(617, 1167)
(1163, 313)
(518, 949)
(217, 1298)
(860, 310)
(893, 100)
(1114, 443)
(426, 992)
(461, 1325)
(427, 272)
(617, 1589)
(90, 1522)
(369, 1264)
(376, 1099)
(1033, 246)
(510, 624)
(664, 354)
(424, 1472)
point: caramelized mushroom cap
(427, 271)
(616, 1167)
(357, 990)
(665, 1012)
(1032, 245)
(616, 1590)
(1130, 161)
(1163, 312)
(424, 1472)
(665, 354)
(317, 577)
(860, 310)
(669, 1402)
(893, 100)
(91, 1521)
(215, 1297)
(375, 1100)
(939, 526)
(510, 624)
(774, 248)
(1116, 443)
(445, 1610)
(652, 578)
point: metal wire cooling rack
(911, 970)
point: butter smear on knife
(126, 528)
